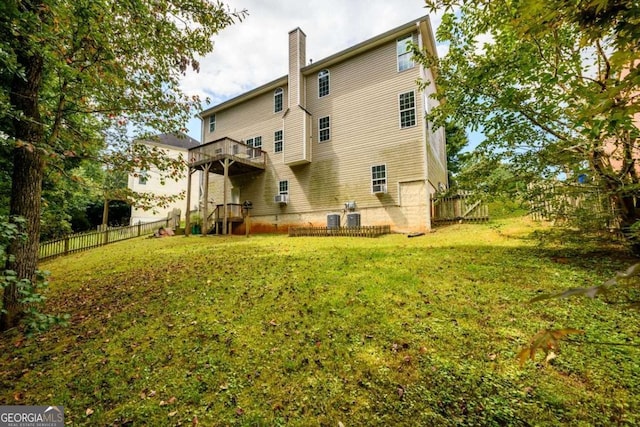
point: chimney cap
(298, 29)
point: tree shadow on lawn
(372, 335)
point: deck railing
(234, 211)
(365, 231)
(227, 147)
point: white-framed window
(323, 83)
(407, 106)
(403, 50)
(278, 96)
(277, 141)
(379, 178)
(212, 123)
(255, 145)
(283, 188)
(143, 177)
(255, 142)
(324, 129)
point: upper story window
(277, 141)
(324, 129)
(212, 123)
(407, 109)
(323, 83)
(278, 95)
(403, 50)
(143, 177)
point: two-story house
(343, 134)
(175, 146)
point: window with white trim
(277, 141)
(324, 129)
(323, 83)
(407, 104)
(143, 177)
(212, 123)
(255, 145)
(283, 188)
(278, 96)
(403, 50)
(255, 142)
(379, 178)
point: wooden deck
(226, 157)
(243, 158)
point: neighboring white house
(345, 134)
(148, 181)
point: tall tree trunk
(28, 173)
(105, 213)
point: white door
(235, 195)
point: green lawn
(272, 330)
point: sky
(253, 52)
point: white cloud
(254, 52)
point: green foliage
(272, 330)
(457, 141)
(628, 278)
(548, 340)
(79, 78)
(553, 85)
(30, 291)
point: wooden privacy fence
(366, 231)
(92, 239)
(565, 202)
(460, 207)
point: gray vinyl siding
(254, 117)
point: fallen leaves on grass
(545, 341)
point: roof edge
(422, 22)
(366, 45)
(272, 85)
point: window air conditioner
(380, 189)
(283, 199)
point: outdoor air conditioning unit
(283, 199)
(353, 220)
(379, 188)
(333, 221)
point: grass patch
(307, 331)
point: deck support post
(187, 215)
(205, 202)
(224, 197)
